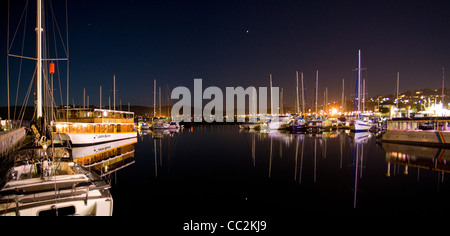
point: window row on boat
(93, 113)
(86, 128)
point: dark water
(217, 172)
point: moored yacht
(42, 185)
(92, 126)
(360, 125)
(282, 123)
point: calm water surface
(216, 171)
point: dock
(11, 140)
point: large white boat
(411, 131)
(93, 126)
(40, 184)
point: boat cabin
(93, 121)
(91, 115)
(422, 123)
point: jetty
(10, 140)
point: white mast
(364, 96)
(398, 84)
(114, 92)
(443, 88)
(317, 88)
(343, 102)
(39, 31)
(154, 98)
(303, 96)
(298, 101)
(100, 97)
(359, 80)
(271, 96)
(159, 101)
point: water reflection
(106, 158)
(359, 139)
(327, 172)
(318, 143)
(428, 158)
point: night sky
(239, 43)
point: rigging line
(57, 26)
(17, 29)
(34, 59)
(21, 63)
(25, 101)
(57, 63)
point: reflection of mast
(357, 168)
(296, 157)
(254, 149)
(156, 160)
(341, 144)
(301, 161)
(355, 174)
(315, 159)
(160, 152)
(270, 161)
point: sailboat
(44, 180)
(358, 124)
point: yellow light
(334, 111)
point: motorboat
(161, 124)
(282, 123)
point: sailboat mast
(154, 98)
(343, 102)
(298, 102)
(443, 88)
(317, 88)
(398, 84)
(271, 96)
(303, 95)
(114, 92)
(39, 30)
(359, 80)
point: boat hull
(358, 126)
(422, 138)
(89, 139)
(277, 125)
(92, 203)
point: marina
(220, 123)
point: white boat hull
(89, 139)
(276, 125)
(80, 152)
(92, 203)
(424, 138)
(359, 125)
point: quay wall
(10, 140)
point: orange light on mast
(52, 68)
